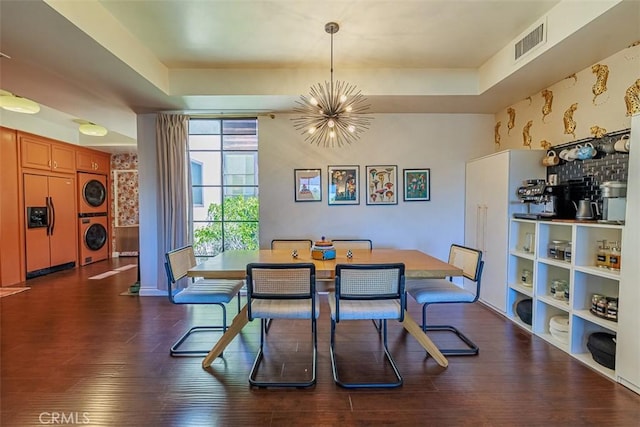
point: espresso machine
(539, 198)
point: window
(196, 183)
(224, 179)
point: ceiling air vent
(531, 40)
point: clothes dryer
(92, 194)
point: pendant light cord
(332, 64)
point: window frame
(248, 190)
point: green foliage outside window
(240, 227)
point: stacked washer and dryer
(93, 218)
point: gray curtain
(172, 135)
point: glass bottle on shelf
(556, 249)
(528, 243)
(567, 252)
(602, 258)
(614, 256)
(612, 309)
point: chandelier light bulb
(348, 109)
(313, 101)
(343, 99)
(352, 128)
(330, 123)
(312, 129)
(332, 134)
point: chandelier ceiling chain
(333, 113)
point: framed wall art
(344, 184)
(382, 185)
(308, 185)
(417, 185)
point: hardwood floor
(74, 351)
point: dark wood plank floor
(74, 349)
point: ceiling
(107, 60)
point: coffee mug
(586, 152)
(551, 160)
(607, 148)
(568, 155)
(622, 145)
(573, 153)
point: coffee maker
(614, 201)
(564, 206)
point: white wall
(441, 142)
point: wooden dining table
(233, 265)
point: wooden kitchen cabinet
(41, 153)
(11, 260)
(91, 161)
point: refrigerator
(51, 223)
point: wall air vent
(535, 38)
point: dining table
(232, 264)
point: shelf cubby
(542, 314)
(585, 285)
(581, 328)
(514, 297)
(587, 237)
(517, 265)
(548, 272)
(520, 228)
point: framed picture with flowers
(344, 184)
(382, 185)
(417, 185)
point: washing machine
(93, 239)
(92, 194)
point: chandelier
(332, 114)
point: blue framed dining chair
(217, 292)
(444, 291)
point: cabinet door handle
(478, 225)
(55, 165)
(484, 229)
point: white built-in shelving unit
(581, 273)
